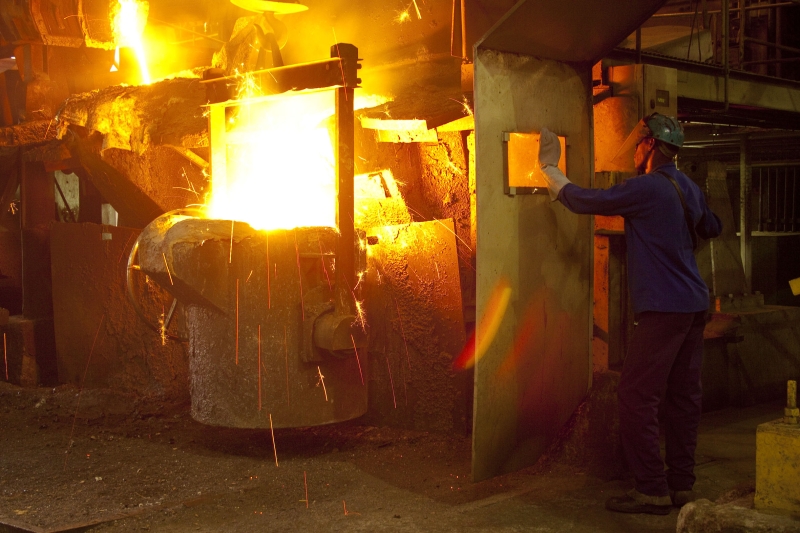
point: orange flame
(129, 18)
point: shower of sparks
(299, 275)
(274, 448)
(465, 104)
(80, 390)
(391, 380)
(322, 258)
(360, 315)
(125, 247)
(167, 265)
(230, 254)
(322, 381)
(286, 353)
(237, 321)
(416, 7)
(402, 17)
(269, 291)
(402, 331)
(259, 372)
(360, 373)
(360, 279)
(248, 277)
(305, 486)
(5, 353)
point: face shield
(624, 158)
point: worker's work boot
(681, 497)
(636, 502)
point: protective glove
(549, 148)
(556, 180)
(549, 155)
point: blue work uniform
(670, 301)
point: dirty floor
(134, 465)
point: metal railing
(777, 190)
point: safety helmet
(665, 129)
(657, 126)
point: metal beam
(711, 88)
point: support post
(744, 213)
(345, 164)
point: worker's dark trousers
(663, 362)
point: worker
(664, 212)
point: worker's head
(655, 140)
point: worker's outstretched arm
(621, 199)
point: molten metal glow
(280, 162)
(129, 17)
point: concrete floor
(132, 469)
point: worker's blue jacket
(662, 270)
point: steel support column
(345, 165)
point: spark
(191, 185)
(402, 17)
(230, 254)
(124, 248)
(269, 292)
(286, 352)
(346, 512)
(439, 276)
(360, 373)
(341, 63)
(391, 380)
(274, 448)
(167, 265)
(48, 128)
(416, 7)
(402, 330)
(465, 104)
(237, 321)
(248, 277)
(445, 227)
(162, 327)
(305, 486)
(322, 258)
(360, 315)
(300, 275)
(360, 279)
(322, 380)
(83, 381)
(259, 372)
(5, 353)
